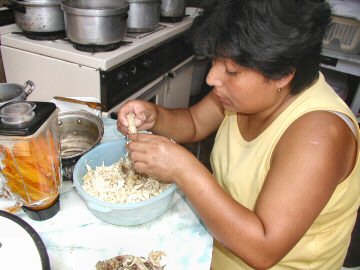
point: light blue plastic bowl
(126, 214)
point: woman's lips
(223, 100)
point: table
(76, 239)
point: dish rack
(343, 35)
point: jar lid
(17, 238)
(17, 113)
(23, 118)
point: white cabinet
(177, 93)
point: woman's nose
(213, 77)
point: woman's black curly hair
(274, 37)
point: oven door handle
(148, 94)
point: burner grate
(171, 19)
(42, 35)
(145, 34)
(92, 48)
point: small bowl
(125, 214)
(80, 131)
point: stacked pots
(10, 92)
(93, 22)
(39, 16)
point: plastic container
(343, 35)
(126, 214)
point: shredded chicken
(131, 262)
(119, 183)
(131, 120)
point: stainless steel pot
(80, 131)
(94, 22)
(144, 15)
(173, 10)
(38, 15)
(10, 92)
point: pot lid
(95, 7)
(18, 238)
(37, 2)
(144, 1)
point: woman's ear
(285, 80)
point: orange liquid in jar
(32, 171)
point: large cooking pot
(94, 22)
(172, 10)
(10, 92)
(144, 15)
(80, 131)
(38, 15)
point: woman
(285, 186)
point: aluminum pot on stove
(10, 92)
(94, 22)
(40, 16)
(172, 10)
(144, 15)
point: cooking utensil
(90, 104)
(172, 10)
(15, 92)
(144, 15)
(38, 15)
(80, 131)
(94, 22)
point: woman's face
(241, 89)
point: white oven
(154, 66)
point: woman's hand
(160, 157)
(145, 115)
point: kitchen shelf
(345, 63)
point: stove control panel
(125, 79)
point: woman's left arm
(314, 155)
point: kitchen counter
(76, 239)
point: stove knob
(146, 64)
(123, 77)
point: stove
(112, 74)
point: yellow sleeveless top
(240, 167)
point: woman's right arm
(183, 125)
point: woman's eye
(231, 73)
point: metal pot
(94, 22)
(10, 92)
(80, 131)
(173, 10)
(144, 15)
(38, 15)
